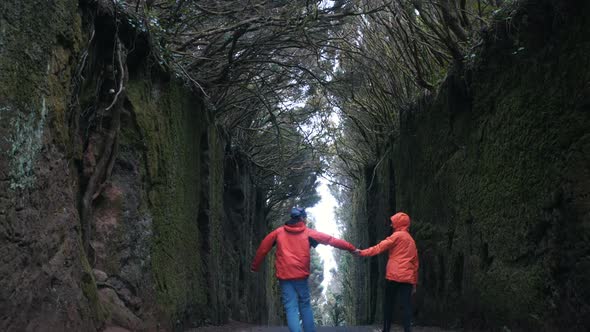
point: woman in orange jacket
(401, 273)
(292, 264)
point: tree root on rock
(101, 171)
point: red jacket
(402, 265)
(292, 255)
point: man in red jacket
(401, 273)
(293, 241)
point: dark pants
(402, 291)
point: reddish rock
(120, 315)
(99, 276)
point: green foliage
(335, 310)
(286, 164)
(316, 278)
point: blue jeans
(296, 300)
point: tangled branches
(262, 66)
(391, 57)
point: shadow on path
(239, 327)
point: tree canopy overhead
(273, 73)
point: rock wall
(172, 213)
(494, 170)
(373, 202)
(46, 281)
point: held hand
(357, 252)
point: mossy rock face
(367, 222)
(43, 285)
(38, 42)
(206, 214)
(496, 180)
(170, 125)
(174, 228)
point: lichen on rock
(26, 141)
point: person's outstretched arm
(263, 249)
(380, 247)
(324, 238)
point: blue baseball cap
(298, 213)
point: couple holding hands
(293, 241)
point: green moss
(170, 126)
(28, 42)
(34, 78)
(495, 189)
(58, 83)
(98, 313)
(516, 289)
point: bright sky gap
(325, 221)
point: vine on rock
(102, 140)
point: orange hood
(400, 222)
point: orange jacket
(292, 255)
(402, 265)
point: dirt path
(241, 327)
